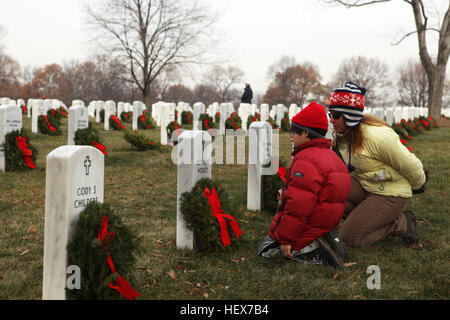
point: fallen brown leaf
(336, 275)
(205, 294)
(32, 230)
(172, 274)
(349, 264)
(25, 252)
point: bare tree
(412, 84)
(9, 76)
(223, 79)
(369, 73)
(152, 35)
(280, 66)
(436, 69)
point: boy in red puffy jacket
(313, 198)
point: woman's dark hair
(321, 132)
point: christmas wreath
(204, 210)
(103, 247)
(115, 123)
(126, 116)
(19, 153)
(171, 127)
(207, 122)
(89, 137)
(233, 122)
(217, 117)
(49, 124)
(139, 141)
(251, 118)
(271, 185)
(272, 123)
(145, 122)
(285, 123)
(63, 112)
(186, 117)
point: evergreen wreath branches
(139, 141)
(145, 121)
(87, 252)
(14, 156)
(89, 137)
(271, 185)
(197, 214)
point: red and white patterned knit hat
(348, 100)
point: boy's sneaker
(269, 248)
(332, 238)
(324, 254)
(411, 239)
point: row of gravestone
(75, 177)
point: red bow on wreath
(100, 147)
(218, 213)
(123, 287)
(26, 153)
(52, 129)
(282, 173)
(118, 122)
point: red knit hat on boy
(313, 116)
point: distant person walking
(248, 94)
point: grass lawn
(141, 187)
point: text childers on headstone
(74, 177)
(78, 119)
(39, 109)
(110, 110)
(194, 163)
(10, 120)
(260, 153)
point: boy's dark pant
(370, 217)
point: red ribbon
(282, 173)
(26, 153)
(24, 109)
(118, 122)
(123, 287)
(49, 125)
(100, 147)
(218, 213)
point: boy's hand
(286, 250)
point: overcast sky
(258, 32)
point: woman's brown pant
(370, 217)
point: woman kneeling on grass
(384, 173)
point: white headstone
(264, 112)
(99, 106)
(390, 116)
(78, 119)
(39, 109)
(397, 114)
(10, 120)
(164, 111)
(223, 117)
(260, 153)
(194, 162)
(199, 108)
(110, 110)
(74, 177)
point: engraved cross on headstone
(87, 164)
